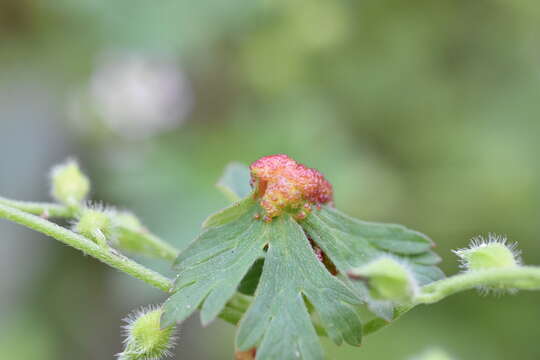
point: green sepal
(387, 279)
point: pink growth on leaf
(282, 184)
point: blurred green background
(424, 113)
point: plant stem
(104, 254)
(232, 312)
(160, 248)
(42, 209)
(519, 277)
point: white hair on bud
(479, 242)
(106, 234)
(68, 184)
(56, 168)
(101, 207)
(129, 340)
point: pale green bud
(490, 253)
(96, 224)
(387, 279)
(133, 237)
(129, 221)
(69, 185)
(129, 233)
(145, 339)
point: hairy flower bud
(387, 279)
(69, 185)
(145, 339)
(96, 224)
(490, 253)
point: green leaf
(278, 322)
(390, 237)
(425, 258)
(211, 268)
(351, 243)
(276, 262)
(278, 319)
(234, 182)
(230, 214)
(251, 280)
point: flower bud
(490, 253)
(69, 185)
(132, 236)
(128, 229)
(145, 339)
(96, 224)
(387, 279)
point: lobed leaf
(211, 268)
(351, 243)
(231, 213)
(276, 263)
(278, 320)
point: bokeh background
(424, 113)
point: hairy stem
(232, 312)
(104, 254)
(42, 209)
(160, 248)
(519, 277)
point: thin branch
(41, 209)
(232, 312)
(104, 254)
(160, 248)
(519, 277)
